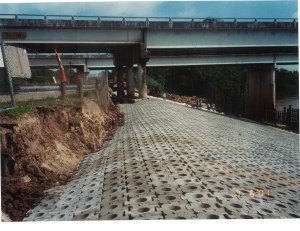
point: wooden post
(97, 88)
(63, 90)
(80, 91)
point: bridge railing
(71, 21)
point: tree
(287, 83)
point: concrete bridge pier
(142, 79)
(127, 57)
(129, 80)
(120, 81)
(260, 95)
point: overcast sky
(228, 9)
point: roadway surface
(173, 162)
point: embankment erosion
(46, 145)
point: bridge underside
(259, 44)
(77, 47)
(104, 63)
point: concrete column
(260, 98)
(129, 79)
(142, 79)
(120, 81)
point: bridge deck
(70, 21)
(169, 162)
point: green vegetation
(23, 107)
(27, 106)
(156, 79)
(40, 76)
(224, 86)
(287, 83)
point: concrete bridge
(105, 61)
(134, 41)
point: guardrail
(75, 21)
(41, 88)
(70, 55)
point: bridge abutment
(260, 95)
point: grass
(27, 106)
(23, 107)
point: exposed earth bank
(47, 144)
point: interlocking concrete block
(61, 216)
(137, 177)
(114, 174)
(184, 215)
(115, 190)
(91, 213)
(142, 209)
(172, 208)
(192, 173)
(190, 187)
(135, 185)
(143, 199)
(167, 189)
(292, 214)
(139, 193)
(37, 215)
(165, 181)
(159, 176)
(193, 197)
(114, 183)
(242, 215)
(114, 216)
(169, 198)
(149, 216)
(107, 199)
(187, 180)
(113, 208)
(208, 215)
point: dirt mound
(190, 100)
(46, 145)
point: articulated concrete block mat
(172, 162)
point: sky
(200, 9)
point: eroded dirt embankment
(47, 144)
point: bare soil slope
(47, 145)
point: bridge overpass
(170, 41)
(105, 61)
